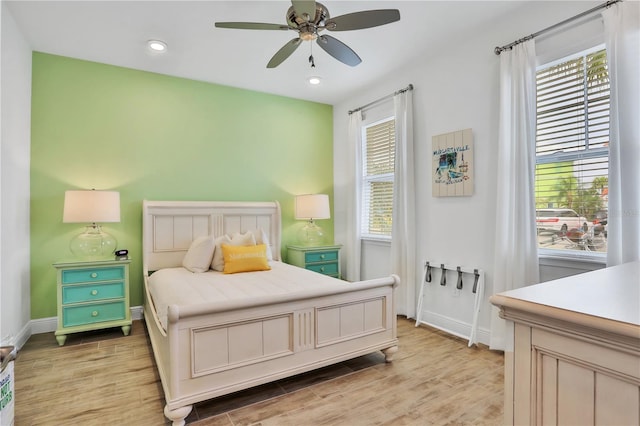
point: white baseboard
(47, 325)
(43, 325)
(19, 339)
(454, 326)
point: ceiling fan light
(314, 80)
(308, 36)
(157, 45)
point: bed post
(391, 351)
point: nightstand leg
(61, 338)
(126, 329)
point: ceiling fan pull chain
(311, 60)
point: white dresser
(574, 355)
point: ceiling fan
(309, 18)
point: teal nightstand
(92, 295)
(322, 259)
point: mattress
(216, 291)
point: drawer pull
(94, 275)
(322, 256)
(94, 292)
(94, 313)
(322, 269)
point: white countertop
(611, 294)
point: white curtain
(622, 38)
(353, 242)
(403, 228)
(516, 247)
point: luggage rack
(477, 276)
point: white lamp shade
(91, 206)
(312, 206)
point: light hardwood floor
(103, 378)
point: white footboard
(205, 355)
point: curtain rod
(499, 50)
(397, 92)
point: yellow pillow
(244, 258)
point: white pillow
(217, 263)
(246, 239)
(261, 238)
(199, 255)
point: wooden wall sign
(452, 164)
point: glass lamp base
(311, 234)
(93, 244)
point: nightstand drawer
(92, 292)
(322, 259)
(71, 276)
(92, 313)
(321, 256)
(324, 268)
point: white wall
(456, 87)
(15, 108)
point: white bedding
(178, 286)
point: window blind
(572, 135)
(377, 191)
(573, 105)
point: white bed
(262, 326)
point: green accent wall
(151, 136)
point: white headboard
(169, 227)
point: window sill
(381, 241)
(570, 258)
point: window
(572, 153)
(378, 163)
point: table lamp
(92, 207)
(309, 207)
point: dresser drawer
(321, 256)
(324, 268)
(72, 276)
(91, 292)
(93, 313)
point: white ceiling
(115, 32)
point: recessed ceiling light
(157, 45)
(314, 80)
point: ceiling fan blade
(284, 52)
(364, 19)
(305, 6)
(338, 50)
(251, 26)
